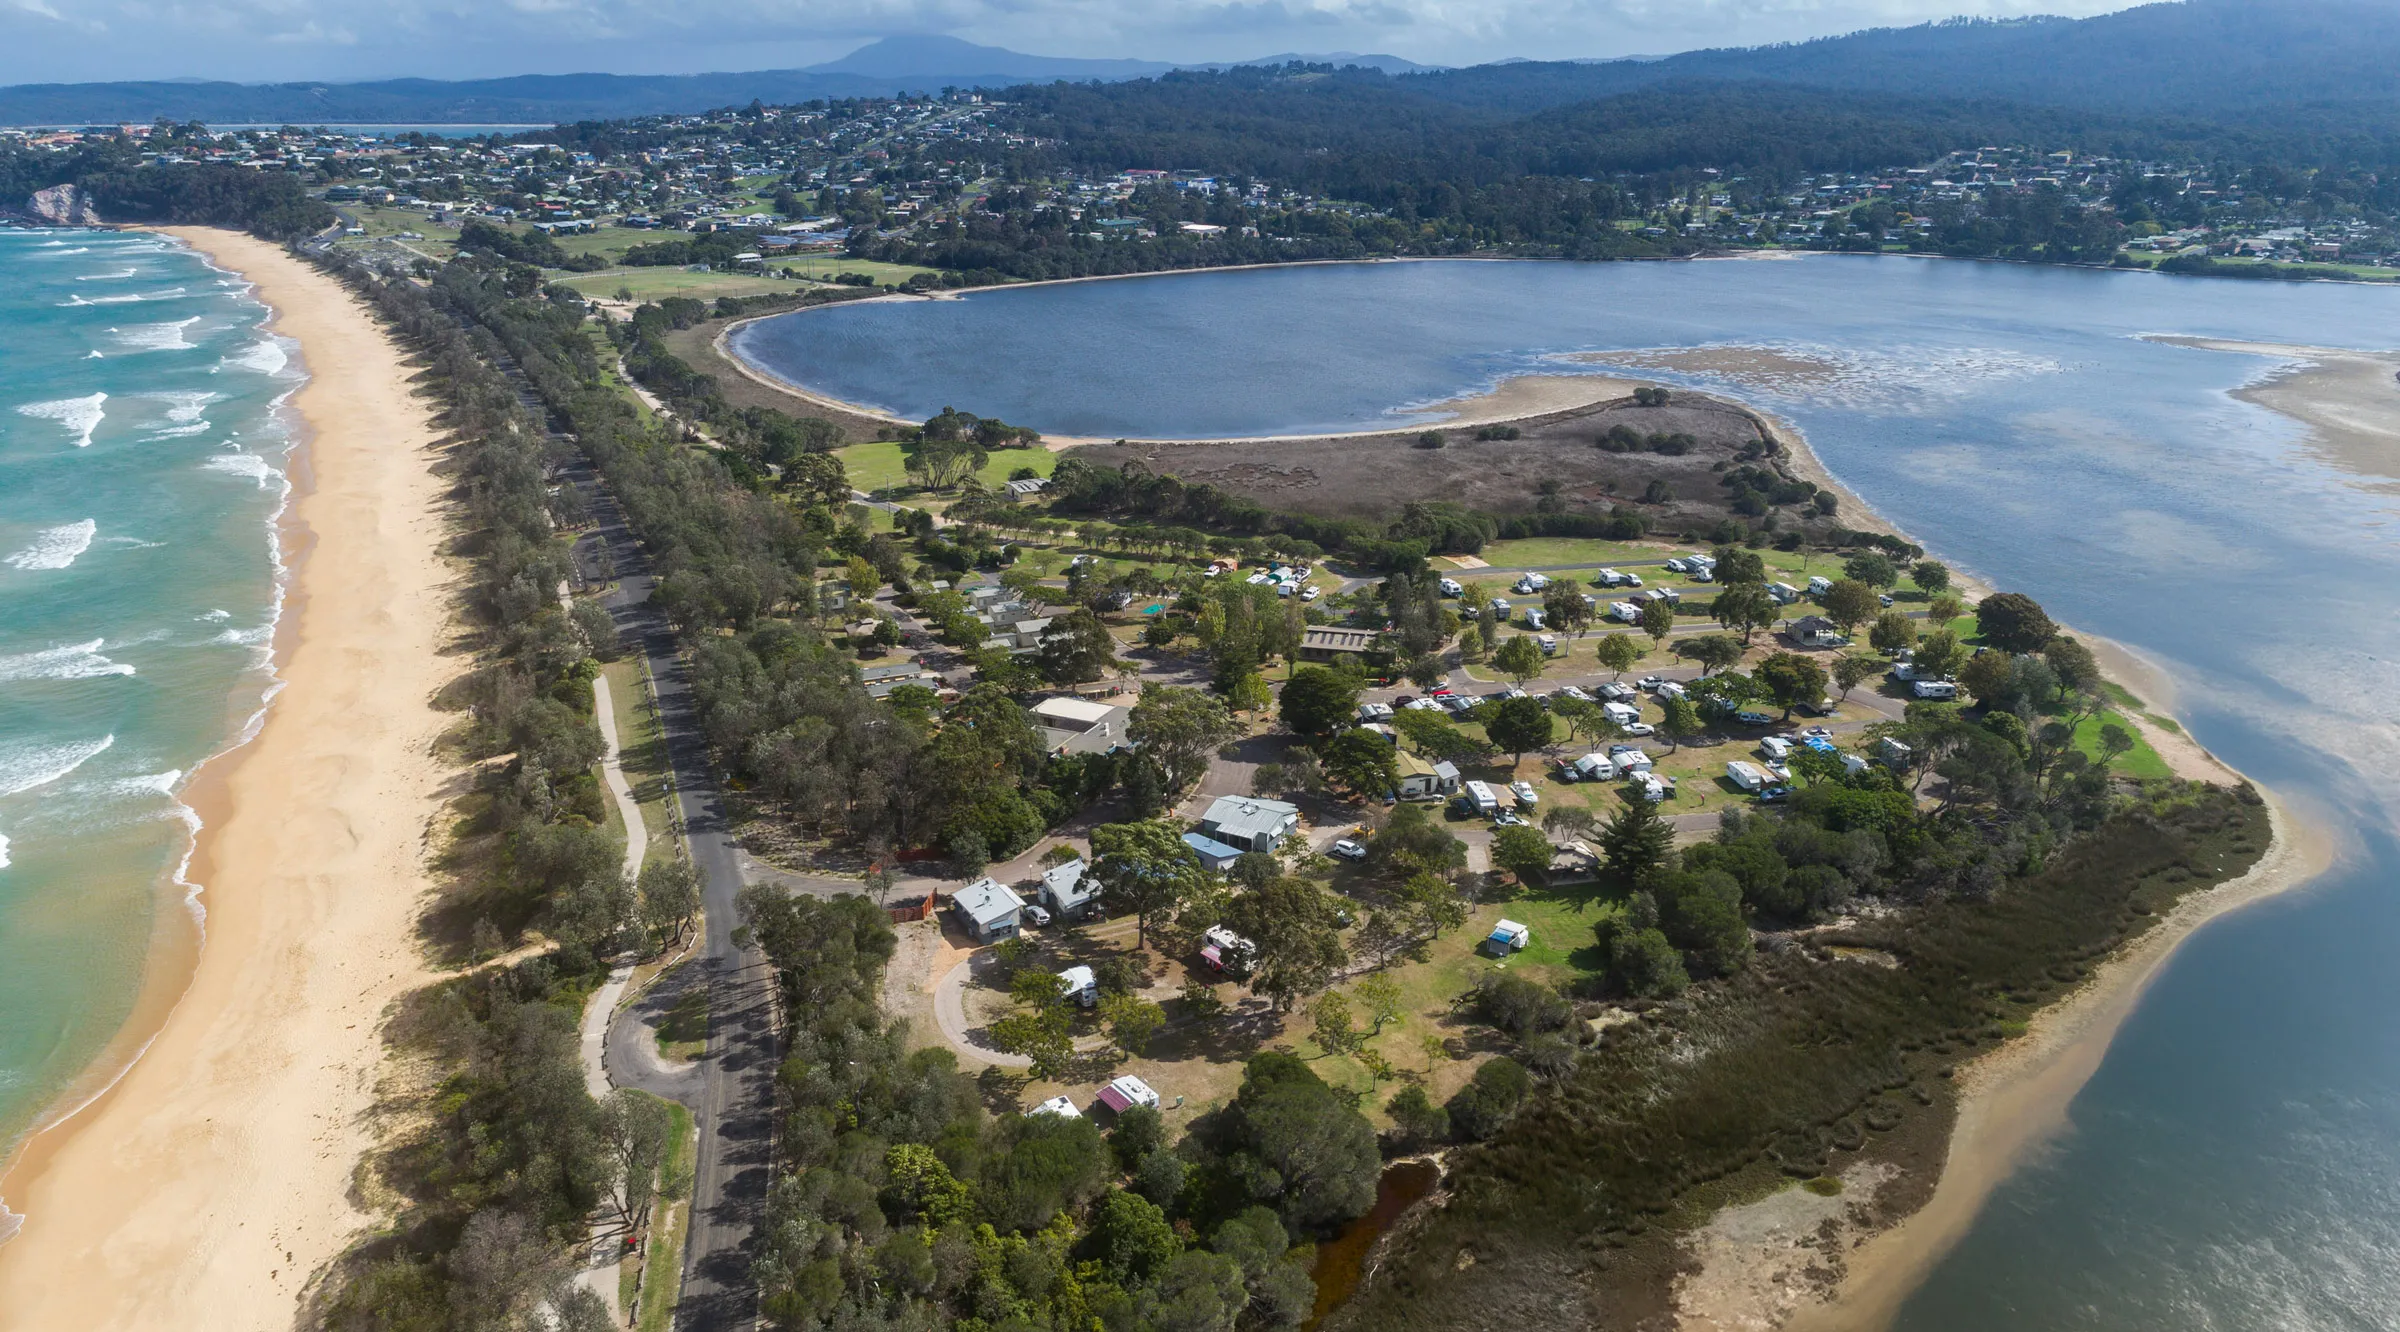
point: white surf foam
(248, 465)
(130, 298)
(26, 767)
(80, 249)
(265, 356)
(157, 337)
(81, 416)
(108, 277)
(147, 784)
(177, 432)
(55, 547)
(216, 616)
(184, 405)
(77, 661)
(4, 1233)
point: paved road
(731, 1090)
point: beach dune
(203, 1188)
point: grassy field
(884, 466)
(824, 267)
(652, 284)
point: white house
(989, 909)
(1249, 822)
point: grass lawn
(653, 284)
(825, 267)
(683, 1028)
(641, 751)
(609, 242)
(2141, 761)
(662, 1260)
(882, 465)
(1548, 552)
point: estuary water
(2235, 1164)
(141, 471)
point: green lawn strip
(652, 284)
(826, 267)
(641, 751)
(2125, 699)
(883, 465)
(662, 1261)
(2141, 761)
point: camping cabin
(1069, 890)
(989, 909)
(1249, 823)
(1214, 855)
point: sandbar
(214, 1177)
(2349, 400)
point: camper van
(1934, 689)
(1451, 588)
(1535, 617)
(1819, 585)
(1748, 776)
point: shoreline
(2015, 1099)
(214, 1173)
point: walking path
(637, 837)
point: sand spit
(214, 1177)
(2349, 400)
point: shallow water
(2236, 1161)
(141, 465)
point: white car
(1570, 691)
(1525, 793)
(1639, 728)
(1349, 849)
(1311, 593)
(1037, 914)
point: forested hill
(2200, 57)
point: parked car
(1507, 819)
(1037, 914)
(1349, 849)
(1311, 593)
(1649, 682)
(1639, 728)
(1439, 691)
(1748, 718)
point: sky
(64, 41)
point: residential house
(1250, 822)
(1030, 485)
(1081, 725)
(1417, 779)
(990, 910)
(1817, 631)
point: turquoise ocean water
(142, 446)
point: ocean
(142, 448)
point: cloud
(290, 39)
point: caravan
(1479, 797)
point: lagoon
(2235, 1163)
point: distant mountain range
(880, 69)
(2316, 58)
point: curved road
(731, 1091)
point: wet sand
(2349, 400)
(205, 1186)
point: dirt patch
(1376, 475)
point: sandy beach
(2014, 1099)
(214, 1177)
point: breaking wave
(78, 661)
(55, 547)
(157, 337)
(81, 416)
(25, 767)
